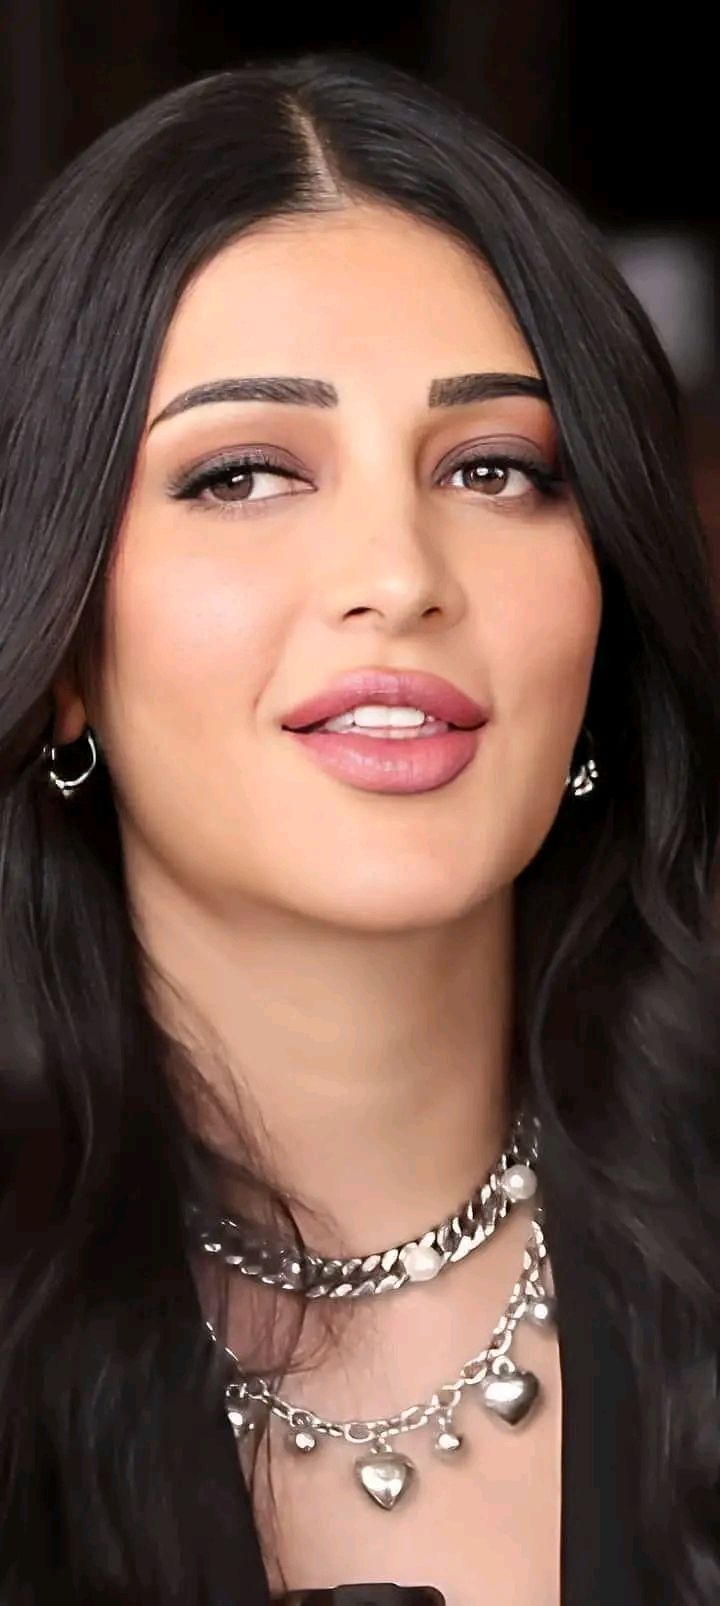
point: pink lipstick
(430, 740)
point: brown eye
(505, 479)
(234, 481)
(233, 487)
(489, 477)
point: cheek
(542, 633)
(189, 648)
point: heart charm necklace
(383, 1473)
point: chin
(397, 899)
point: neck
(374, 1064)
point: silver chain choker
(420, 1259)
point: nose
(395, 576)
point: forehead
(362, 290)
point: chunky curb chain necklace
(387, 1270)
(507, 1392)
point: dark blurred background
(617, 103)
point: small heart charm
(384, 1476)
(509, 1394)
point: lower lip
(389, 764)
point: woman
(342, 1076)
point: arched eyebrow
(456, 391)
(462, 388)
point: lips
(394, 687)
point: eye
(231, 481)
(502, 477)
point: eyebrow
(453, 392)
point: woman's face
(366, 545)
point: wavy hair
(618, 1003)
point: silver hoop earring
(583, 781)
(67, 788)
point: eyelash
(189, 487)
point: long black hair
(618, 1003)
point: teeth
(371, 714)
(376, 716)
(398, 724)
(434, 728)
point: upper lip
(407, 688)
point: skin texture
(352, 952)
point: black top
(601, 1558)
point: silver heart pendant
(509, 1393)
(384, 1476)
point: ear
(70, 712)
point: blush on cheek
(178, 618)
(190, 651)
(545, 640)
